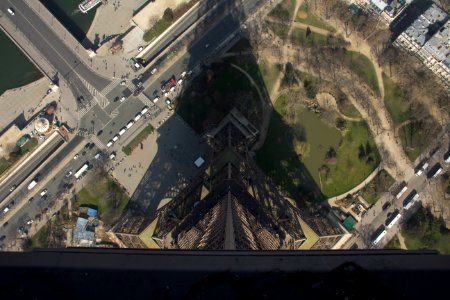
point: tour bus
(393, 219)
(130, 124)
(410, 199)
(379, 234)
(81, 170)
(110, 143)
(423, 165)
(404, 188)
(137, 117)
(435, 171)
(115, 138)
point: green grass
(281, 30)
(394, 243)
(349, 110)
(40, 239)
(128, 149)
(157, 29)
(424, 231)
(269, 72)
(413, 138)
(395, 101)
(284, 10)
(299, 37)
(312, 19)
(98, 193)
(374, 189)
(363, 67)
(349, 170)
(214, 93)
(5, 164)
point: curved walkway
(328, 100)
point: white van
(122, 131)
(144, 110)
(110, 143)
(130, 124)
(137, 117)
(115, 138)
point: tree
(168, 15)
(368, 148)
(289, 75)
(331, 153)
(340, 123)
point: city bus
(81, 170)
(410, 199)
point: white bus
(402, 191)
(394, 220)
(410, 199)
(378, 236)
(122, 131)
(81, 170)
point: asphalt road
(376, 216)
(64, 60)
(24, 172)
(54, 185)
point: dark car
(44, 197)
(2, 238)
(386, 205)
(5, 224)
(99, 132)
(30, 200)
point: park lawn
(424, 231)
(349, 110)
(394, 243)
(413, 139)
(40, 239)
(299, 37)
(277, 156)
(363, 67)
(269, 72)
(306, 17)
(29, 146)
(395, 101)
(379, 185)
(157, 29)
(284, 10)
(349, 170)
(208, 101)
(279, 29)
(96, 191)
(128, 149)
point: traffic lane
(96, 118)
(126, 112)
(26, 170)
(38, 32)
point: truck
(168, 84)
(32, 184)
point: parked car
(386, 205)
(2, 238)
(76, 156)
(44, 192)
(12, 188)
(11, 11)
(123, 82)
(69, 173)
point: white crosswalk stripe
(97, 142)
(102, 100)
(82, 111)
(110, 86)
(114, 113)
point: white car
(12, 188)
(122, 99)
(29, 222)
(76, 156)
(11, 11)
(183, 74)
(207, 45)
(166, 94)
(156, 99)
(112, 156)
(44, 192)
(97, 155)
(168, 101)
(123, 82)
(69, 173)
(154, 71)
(140, 48)
(172, 89)
(180, 81)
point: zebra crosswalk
(110, 87)
(97, 142)
(114, 113)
